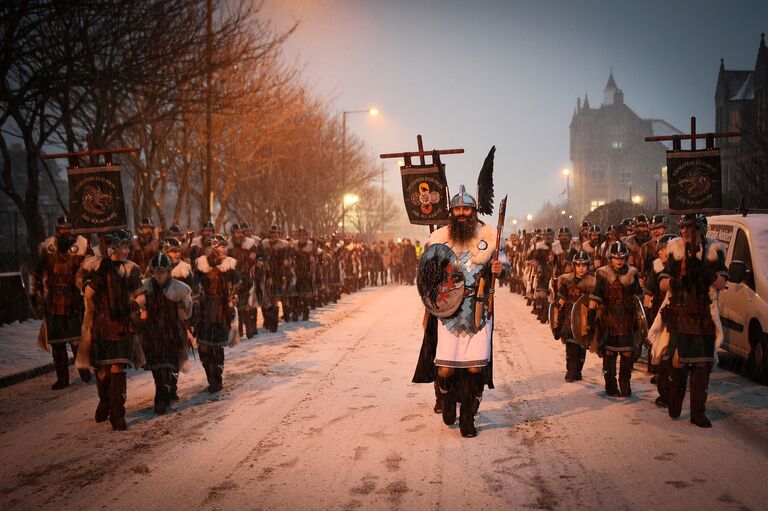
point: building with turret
(741, 104)
(610, 158)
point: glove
(591, 315)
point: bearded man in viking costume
(460, 358)
(688, 328)
(55, 291)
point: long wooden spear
(499, 229)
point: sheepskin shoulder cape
(715, 249)
(202, 265)
(79, 247)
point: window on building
(734, 121)
(617, 144)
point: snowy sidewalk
(20, 356)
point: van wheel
(758, 355)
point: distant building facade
(741, 104)
(610, 158)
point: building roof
(747, 90)
(734, 81)
(611, 85)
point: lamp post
(370, 111)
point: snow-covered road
(322, 415)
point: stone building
(610, 158)
(741, 104)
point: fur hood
(658, 266)
(481, 246)
(181, 270)
(229, 263)
(676, 249)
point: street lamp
(372, 112)
(637, 199)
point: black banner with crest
(425, 192)
(695, 181)
(96, 201)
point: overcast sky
(478, 73)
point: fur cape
(84, 358)
(247, 244)
(79, 247)
(203, 266)
(658, 333)
(227, 264)
(182, 270)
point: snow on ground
(18, 348)
(322, 415)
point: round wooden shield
(440, 281)
(579, 324)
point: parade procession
(332, 254)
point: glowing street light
(514, 221)
(567, 174)
(372, 112)
(350, 199)
(637, 199)
(529, 217)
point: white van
(743, 305)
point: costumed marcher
(563, 252)
(652, 302)
(305, 261)
(648, 252)
(616, 290)
(570, 287)
(641, 234)
(197, 246)
(276, 280)
(218, 324)
(457, 349)
(543, 259)
(54, 290)
(165, 306)
(110, 286)
(177, 233)
(694, 274)
(144, 245)
(245, 251)
(183, 272)
(592, 245)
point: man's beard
(461, 232)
